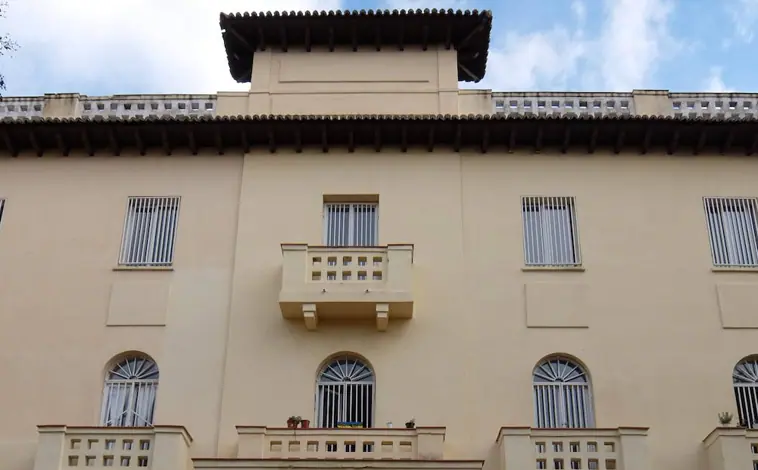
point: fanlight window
(129, 394)
(345, 394)
(745, 383)
(562, 395)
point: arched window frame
(745, 387)
(129, 392)
(345, 392)
(562, 393)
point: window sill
(736, 269)
(143, 268)
(553, 268)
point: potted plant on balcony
(305, 423)
(410, 424)
(293, 421)
(725, 418)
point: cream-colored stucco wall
(411, 81)
(651, 332)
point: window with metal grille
(745, 384)
(129, 393)
(562, 395)
(550, 231)
(732, 230)
(345, 394)
(149, 231)
(351, 224)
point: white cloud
(166, 46)
(744, 14)
(714, 83)
(523, 62)
(633, 39)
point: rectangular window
(149, 231)
(732, 231)
(351, 224)
(550, 232)
(2, 206)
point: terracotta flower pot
(306, 423)
(291, 423)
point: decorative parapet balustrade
(562, 104)
(22, 106)
(259, 442)
(714, 105)
(591, 449)
(101, 448)
(731, 449)
(346, 283)
(70, 105)
(148, 105)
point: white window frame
(130, 393)
(541, 248)
(344, 387)
(556, 382)
(732, 230)
(158, 230)
(352, 220)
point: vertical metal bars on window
(732, 231)
(345, 394)
(562, 395)
(550, 231)
(149, 231)
(351, 224)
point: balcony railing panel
(562, 104)
(731, 449)
(425, 443)
(591, 449)
(101, 448)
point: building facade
(528, 280)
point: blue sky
(96, 47)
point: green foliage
(7, 45)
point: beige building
(431, 278)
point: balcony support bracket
(382, 316)
(310, 317)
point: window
(745, 383)
(149, 231)
(562, 395)
(550, 232)
(351, 224)
(345, 393)
(732, 230)
(2, 206)
(129, 395)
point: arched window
(345, 393)
(745, 383)
(129, 394)
(562, 395)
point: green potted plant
(725, 418)
(293, 421)
(410, 424)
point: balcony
(731, 448)
(596, 449)
(100, 448)
(260, 442)
(346, 283)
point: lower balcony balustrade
(591, 449)
(731, 449)
(101, 448)
(260, 442)
(346, 283)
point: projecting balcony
(594, 449)
(260, 442)
(731, 448)
(100, 448)
(347, 283)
